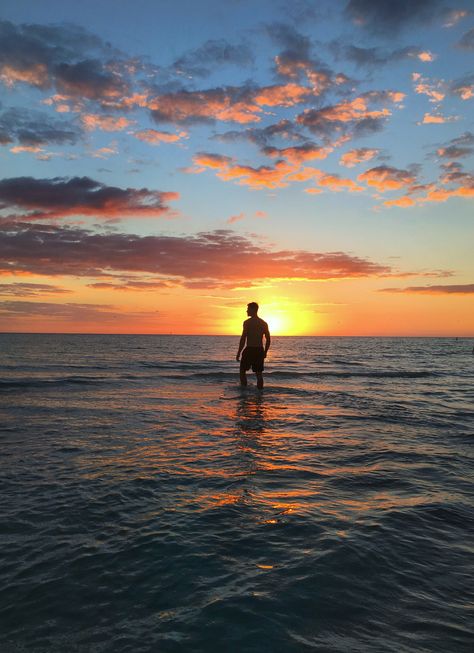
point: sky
(165, 162)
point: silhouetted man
(254, 354)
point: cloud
(385, 178)
(31, 289)
(453, 16)
(59, 57)
(298, 153)
(435, 90)
(402, 202)
(463, 87)
(61, 196)
(88, 79)
(350, 115)
(155, 137)
(133, 286)
(375, 56)
(215, 52)
(235, 218)
(387, 16)
(453, 289)
(337, 183)
(69, 312)
(353, 157)
(241, 104)
(34, 129)
(93, 121)
(228, 169)
(467, 40)
(453, 183)
(105, 152)
(279, 175)
(221, 256)
(457, 148)
(284, 129)
(436, 119)
(226, 104)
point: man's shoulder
(263, 323)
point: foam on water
(150, 504)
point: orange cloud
(25, 148)
(93, 121)
(258, 178)
(294, 68)
(36, 75)
(216, 258)
(353, 157)
(352, 113)
(214, 104)
(385, 178)
(337, 183)
(235, 218)
(105, 152)
(155, 137)
(430, 119)
(209, 160)
(403, 202)
(284, 95)
(426, 56)
(434, 90)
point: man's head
(252, 309)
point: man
(254, 354)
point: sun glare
(283, 318)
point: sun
(284, 318)
(278, 323)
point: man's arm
(243, 338)
(266, 333)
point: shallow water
(150, 504)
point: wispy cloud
(201, 61)
(20, 289)
(451, 289)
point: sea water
(150, 504)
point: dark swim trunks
(252, 357)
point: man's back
(255, 328)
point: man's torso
(255, 328)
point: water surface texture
(150, 504)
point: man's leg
(243, 378)
(259, 380)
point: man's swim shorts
(252, 357)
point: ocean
(148, 503)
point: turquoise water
(150, 504)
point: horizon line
(224, 335)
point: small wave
(386, 374)
(14, 384)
